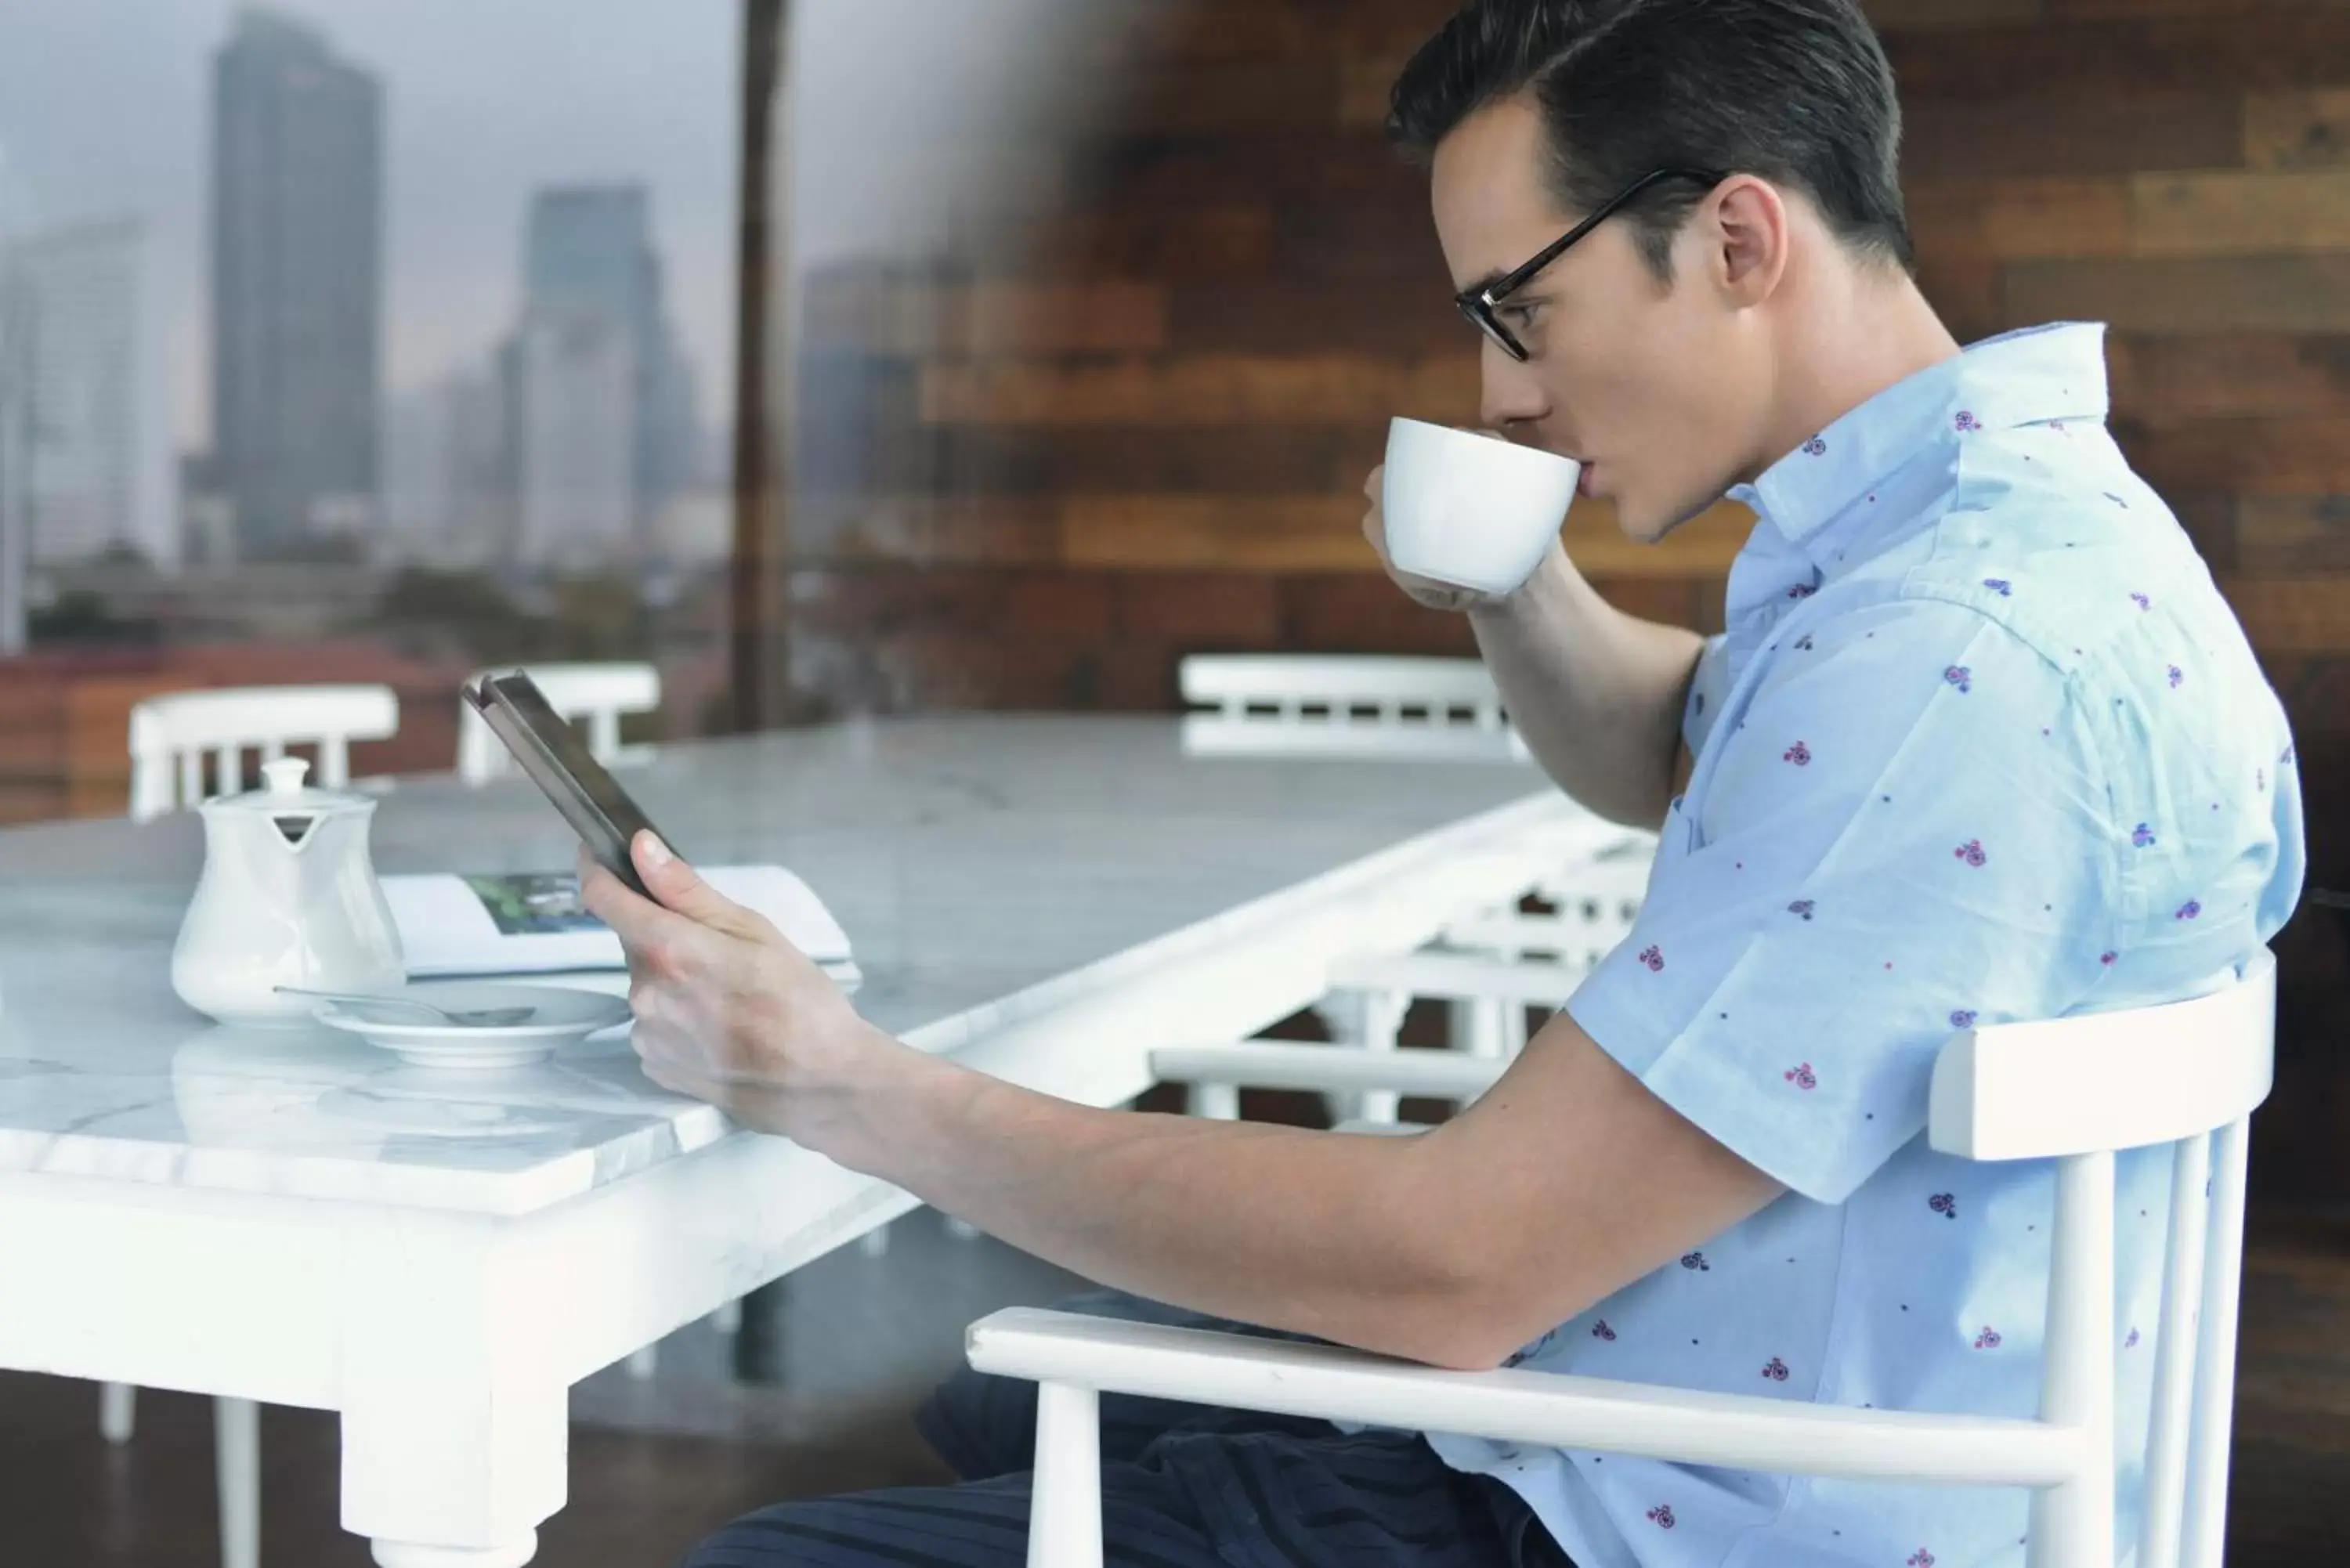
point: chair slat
(2203, 1535)
(2074, 1522)
(2174, 1366)
(171, 735)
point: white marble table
(296, 1218)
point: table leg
(236, 1440)
(118, 1411)
(455, 1408)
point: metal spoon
(462, 1018)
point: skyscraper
(297, 284)
(15, 541)
(588, 254)
(449, 464)
(577, 369)
(92, 459)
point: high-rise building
(15, 542)
(297, 283)
(588, 251)
(91, 461)
(15, 534)
(576, 369)
(448, 472)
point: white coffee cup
(1467, 510)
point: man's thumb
(677, 886)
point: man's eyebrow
(1486, 282)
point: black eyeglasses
(1478, 303)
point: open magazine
(531, 922)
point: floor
(816, 1397)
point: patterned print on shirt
(1946, 1204)
(1960, 676)
(1775, 1370)
(1662, 1516)
(1987, 1339)
(1799, 753)
(1972, 852)
(1801, 1075)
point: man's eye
(1520, 314)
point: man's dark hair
(1796, 91)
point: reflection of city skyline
(561, 440)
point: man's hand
(1426, 591)
(729, 1011)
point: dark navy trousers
(1183, 1485)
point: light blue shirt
(1982, 743)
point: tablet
(551, 752)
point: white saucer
(563, 1017)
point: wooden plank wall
(1130, 421)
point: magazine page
(532, 922)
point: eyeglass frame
(1478, 303)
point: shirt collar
(2038, 376)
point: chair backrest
(2076, 1089)
(594, 696)
(1290, 704)
(171, 736)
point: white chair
(1491, 967)
(595, 696)
(1312, 705)
(171, 736)
(2073, 1090)
(1388, 708)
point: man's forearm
(1596, 693)
(1359, 1247)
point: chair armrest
(1536, 1408)
(1330, 1069)
(1463, 977)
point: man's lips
(1583, 486)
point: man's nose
(1511, 394)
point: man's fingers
(680, 887)
(650, 935)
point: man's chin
(1649, 523)
(1642, 524)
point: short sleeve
(1903, 833)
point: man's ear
(1745, 223)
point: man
(1982, 743)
